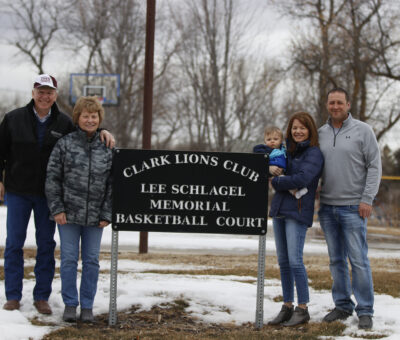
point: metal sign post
(260, 283)
(261, 278)
(112, 318)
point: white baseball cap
(45, 80)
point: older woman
(78, 190)
(292, 216)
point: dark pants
(19, 208)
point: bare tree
(367, 42)
(313, 52)
(207, 89)
(36, 23)
(220, 91)
(87, 28)
(348, 45)
(108, 37)
(112, 40)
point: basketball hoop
(106, 87)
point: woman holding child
(293, 215)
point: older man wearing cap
(27, 137)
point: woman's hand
(275, 171)
(103, 224)
(60, 218)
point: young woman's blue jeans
(346, 236)
(289, 237)
(90, 237)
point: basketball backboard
(105, 86)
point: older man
(27, 137)
(350, 181)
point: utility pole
(148, 96)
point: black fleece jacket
(23, 160)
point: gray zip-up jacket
(78, 179)
(353, 169)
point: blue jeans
(346, 236)
(19, 208)
(289, 237)
(70, 237)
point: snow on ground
(209, 296)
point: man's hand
(2, 191)
(108, 138)
(60, 218)
(103, 224)
(365, 210)
(275, 171)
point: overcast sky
(270, 34)
(16, 73)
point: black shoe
(365, 322)
(69, 314)
(87, 315)
(336, 314)
(284, 315)
(299, 317)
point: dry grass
(386, 272)
(384, 231)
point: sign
(196, 192)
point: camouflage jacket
(78, 179)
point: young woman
(78, 190)
(293, 216)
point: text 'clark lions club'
(192, 159)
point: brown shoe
(11, 305)
(42, 307)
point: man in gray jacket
(350, 181)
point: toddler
(273, 146)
